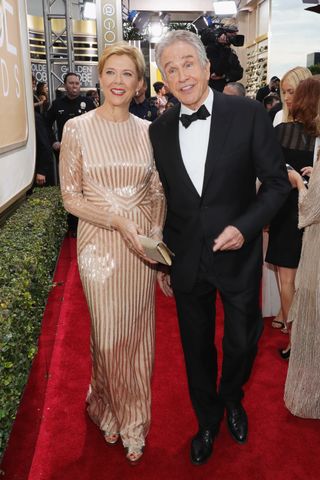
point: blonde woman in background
(271, 304)
(109, 181)
(288, 85)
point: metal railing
(53, 39)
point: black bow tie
(200, 114)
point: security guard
(141, 105)
(62, 109)
(70, 105)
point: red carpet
(53, 439)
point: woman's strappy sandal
(134, 455)
(112, 438)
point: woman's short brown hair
(123, 48)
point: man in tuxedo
(209, 151)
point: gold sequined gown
(302, 389)
(105, 168)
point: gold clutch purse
(156, 250)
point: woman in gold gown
(302, 389)
(109, 181)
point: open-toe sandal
(134, 455)
(111, 439)
(277, 324)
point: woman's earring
(137, 93)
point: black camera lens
(237, 40)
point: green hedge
(315, 69)
(29, 245)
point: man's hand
(56, 146)
(214, 76)
(164, 283)
(223, 39)
(230, 239)
(40, 179)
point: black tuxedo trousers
(242, 328)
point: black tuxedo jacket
(242, 146)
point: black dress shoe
(237, 422)
(201, 447)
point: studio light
(158, 26)
(89, 11)
(156, 29)
(225, 8)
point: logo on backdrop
(109, 22)
(13, 117)
(88, 73)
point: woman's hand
(129, 231)
(295, 179)
(306, 171)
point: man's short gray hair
(180, 36)
(241, 91)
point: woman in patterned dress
(109, 181)
(302, 389)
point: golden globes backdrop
(84, 48)
(17, 144)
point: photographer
(224, 63)
(273, 87)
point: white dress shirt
(278, 118)
(194, 142)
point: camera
(224, 63)
(210, 35)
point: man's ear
(207, 69)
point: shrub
(315, 69)
(29, 246)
